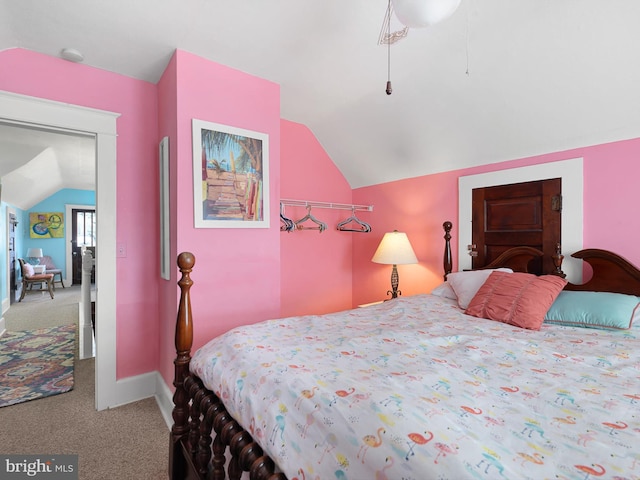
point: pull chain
(389, 89)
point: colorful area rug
(36, 363)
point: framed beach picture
(230, 177)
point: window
(85, 228)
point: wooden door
(507, 216)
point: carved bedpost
(184, 341)
(447, 263)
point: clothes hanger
(321, 225)
(362, 226)
(287, 224)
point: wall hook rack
(329, 205)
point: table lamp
(394, 249)
(34, 255)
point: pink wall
(408, 206)
(315, 267)
(237, 272)
(420, 205)
(611, 198)
(37, 75)
(167, 298)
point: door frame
(68, 277)
(571, 173)
(102, 124)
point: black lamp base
(394, 292)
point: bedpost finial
(557, 261)
(186, 261)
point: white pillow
(466, 284)
(444, 290)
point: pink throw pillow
(519, 299)
(28, 270)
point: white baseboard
(164, 399)
(132, 389)
(143, 386)
(3, 327)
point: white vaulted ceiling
(498, 80)
(36, 163)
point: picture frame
(165, 239)
(230, 176)
(46, 225)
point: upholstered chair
(29, 277)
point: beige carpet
(129, 442)
(38, 310)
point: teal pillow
(594, 310)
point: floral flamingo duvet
(414, 389)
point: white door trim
(39, 111)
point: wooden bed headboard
(611, 272)
(517, 258)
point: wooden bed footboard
(204, 436)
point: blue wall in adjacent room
(54, 247)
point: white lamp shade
(34, 253)
(395, 249)
(422, 13)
